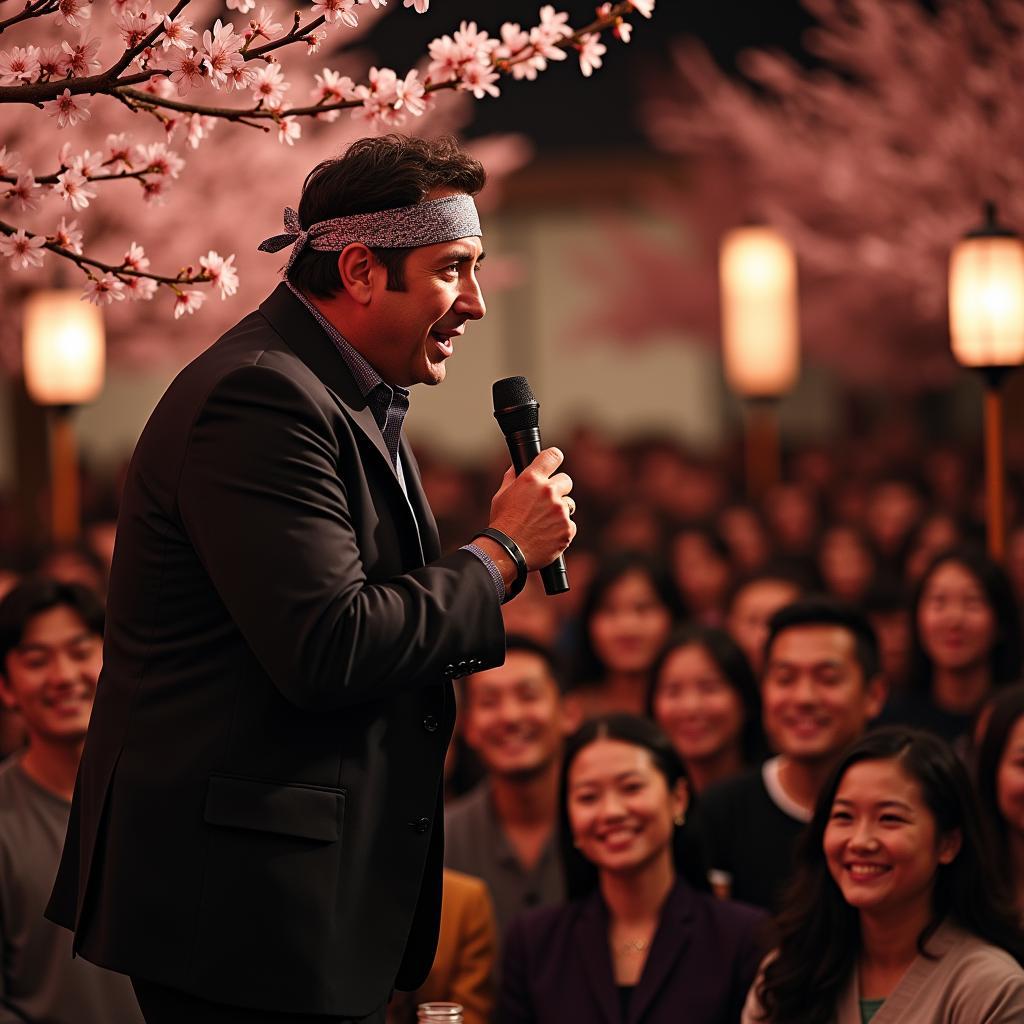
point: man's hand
(534, 509)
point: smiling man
(516, 719)
(50, 655)
(257, 831)
(820, 686)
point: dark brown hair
(376, 174)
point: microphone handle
(524, 446)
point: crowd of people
(764, 761)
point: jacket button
(420, 825)
(430, 723)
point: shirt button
(420, 825)
(430, 723)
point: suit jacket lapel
(429, 539)
(670, 941)
(306, 338)
(592, 949)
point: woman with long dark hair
(966, 643)
(642, 939)
(896, 913)
(627, 614)
(704, 695)
(1000, 783)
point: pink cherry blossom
(313, 41)
(73, 188)
(474, 43)
(19, 66)
(68, 236)
(87, 163)
(158, 159)
(25, 192)
(24, 250)
(644, 7)
(66, 110)
(154, 191)
(242, 6)
(288, 130)
(377, 4)
(222, 272)
(332, 87)
(134, 27)
(104, 290)
(135, 258)
(119, 151)
(479, 79)
(186, 67)
(420, 5)
(623, 31)
(514, 41)
(178, 32)
(337, 10)
(73, 12)
(139, 289)
(10, 163)
(187, 302)
(199, 126)
(269, 86)
(591, 51)
(546, 36)
(241, 77)
(265, 26)
(50, 59)
(220, 52)
(79, 60)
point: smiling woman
(896, 914)
(642, 939)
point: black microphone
(518, 415)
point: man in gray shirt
(505, 830)
(50, 653)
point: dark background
(563, 111)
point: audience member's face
(514, 718)
(50, 677)
(696, 705)
(881, 842)
(892, 511)
(751, 609)
(1010, 779)
(621, 809)
(814, 697)
(893, 631)
(630, 625)
(954, 619)
(846, 565)
(700, 572)
(743, 531)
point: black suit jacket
(257, 818)
(701, 964)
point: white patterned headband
(426, 223)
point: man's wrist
(502, 560)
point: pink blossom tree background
(151, 150)
(872, 161)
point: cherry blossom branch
(32, 10)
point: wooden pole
(995, 472)
(764, 448)
(66, 499)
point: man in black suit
(256, 833)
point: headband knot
(426, 223)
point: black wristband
(514, 552)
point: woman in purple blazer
(642, 940)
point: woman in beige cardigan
(896, 915)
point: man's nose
(471, 300)
(60, 670)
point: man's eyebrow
(36, 645)
(460, 256)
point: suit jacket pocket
(292, 809)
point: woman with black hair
(1000, 784)
(896, 915)
(703, 694)
(642, 939)
(966, 642)
(628, 612)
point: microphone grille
(511, 391)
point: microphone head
(515, 408)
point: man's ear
(572, 713)
(949, 846)
(878, 694)
(357, 267)
(7, 697)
